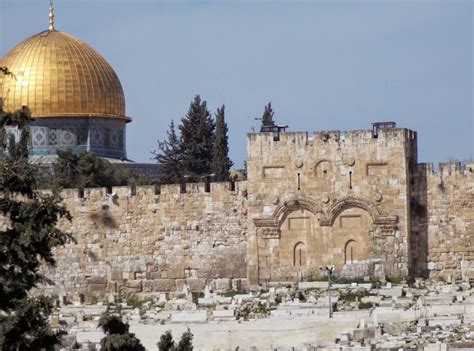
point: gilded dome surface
(58, 75)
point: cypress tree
(170, 157)
(267, 117)
(197, 139)
(221, 162)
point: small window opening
(350, 179)
(207, 185)
(182, 188)
(299, 181)
(80, 193)
(133, 190)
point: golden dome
(58, 75)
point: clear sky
(324, 65)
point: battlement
(212, 190)
(385, 137)
(451, 168)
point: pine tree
(170, 157)
(221, 162)
(197, 139)
(267, 117)
(25, 243)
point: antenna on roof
(51, 15)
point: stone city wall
(442, 214)
(328, 197)
(146, 242)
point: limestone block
(313, 285)
(223, 314)
(164, 285)
(134, 285)
(189, 316)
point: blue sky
(324, 65)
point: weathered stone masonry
(353, 199)
(147, 242)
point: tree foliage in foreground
(87, 170)
(118, 337)
(167, 343)
(26, 242)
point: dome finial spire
(51, 15)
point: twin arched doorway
(304, 245)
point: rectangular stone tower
(329, 198)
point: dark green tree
(221, 162)
(87, 170)
(25, 243)
(166, 342)
(267, 117)
(197, 139)
(170, 156)
(118, 337)
(186, 342)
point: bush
(117, 338)
(186, 342)
(166, 342)
(365, 305)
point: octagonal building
(73, 93)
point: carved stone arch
(281, 212)
(350, 202)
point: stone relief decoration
(323, 170)
(67, 137)
(325, 198)
(378, 196)
(280, 213)
(378, 218)
(350, 162)
(299, 163)
(267, 228)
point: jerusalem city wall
(443, 220)
(139, 241)
(355, 200)
(329, 198)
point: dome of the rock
(56, 74)
(74, 96)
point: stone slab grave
(444, 321)
(312, 285)
(189, 316)
(223, 314)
